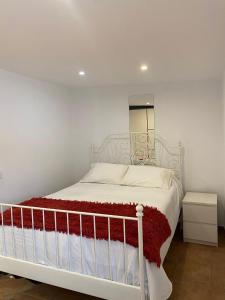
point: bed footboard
(65, 277)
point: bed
(108, 269)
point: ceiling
(109, 39)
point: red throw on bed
(156, 228)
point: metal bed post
(139, 214)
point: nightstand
(200, 218)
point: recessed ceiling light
(81, 73)
(144, 67)
(148, 103)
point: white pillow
(106, 173)
(148, 176)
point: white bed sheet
(158, 286)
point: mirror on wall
(142, 125)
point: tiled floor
(197, 273)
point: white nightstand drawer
(200, 232)
(200, 213)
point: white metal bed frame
(143, 148)
(116, 149)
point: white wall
(35, 137)
(83, 115)
(223, 88)
(223, 96)
(190, 112)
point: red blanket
(156, 228)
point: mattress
(68, 255)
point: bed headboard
(139, 148)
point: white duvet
(158, 286)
